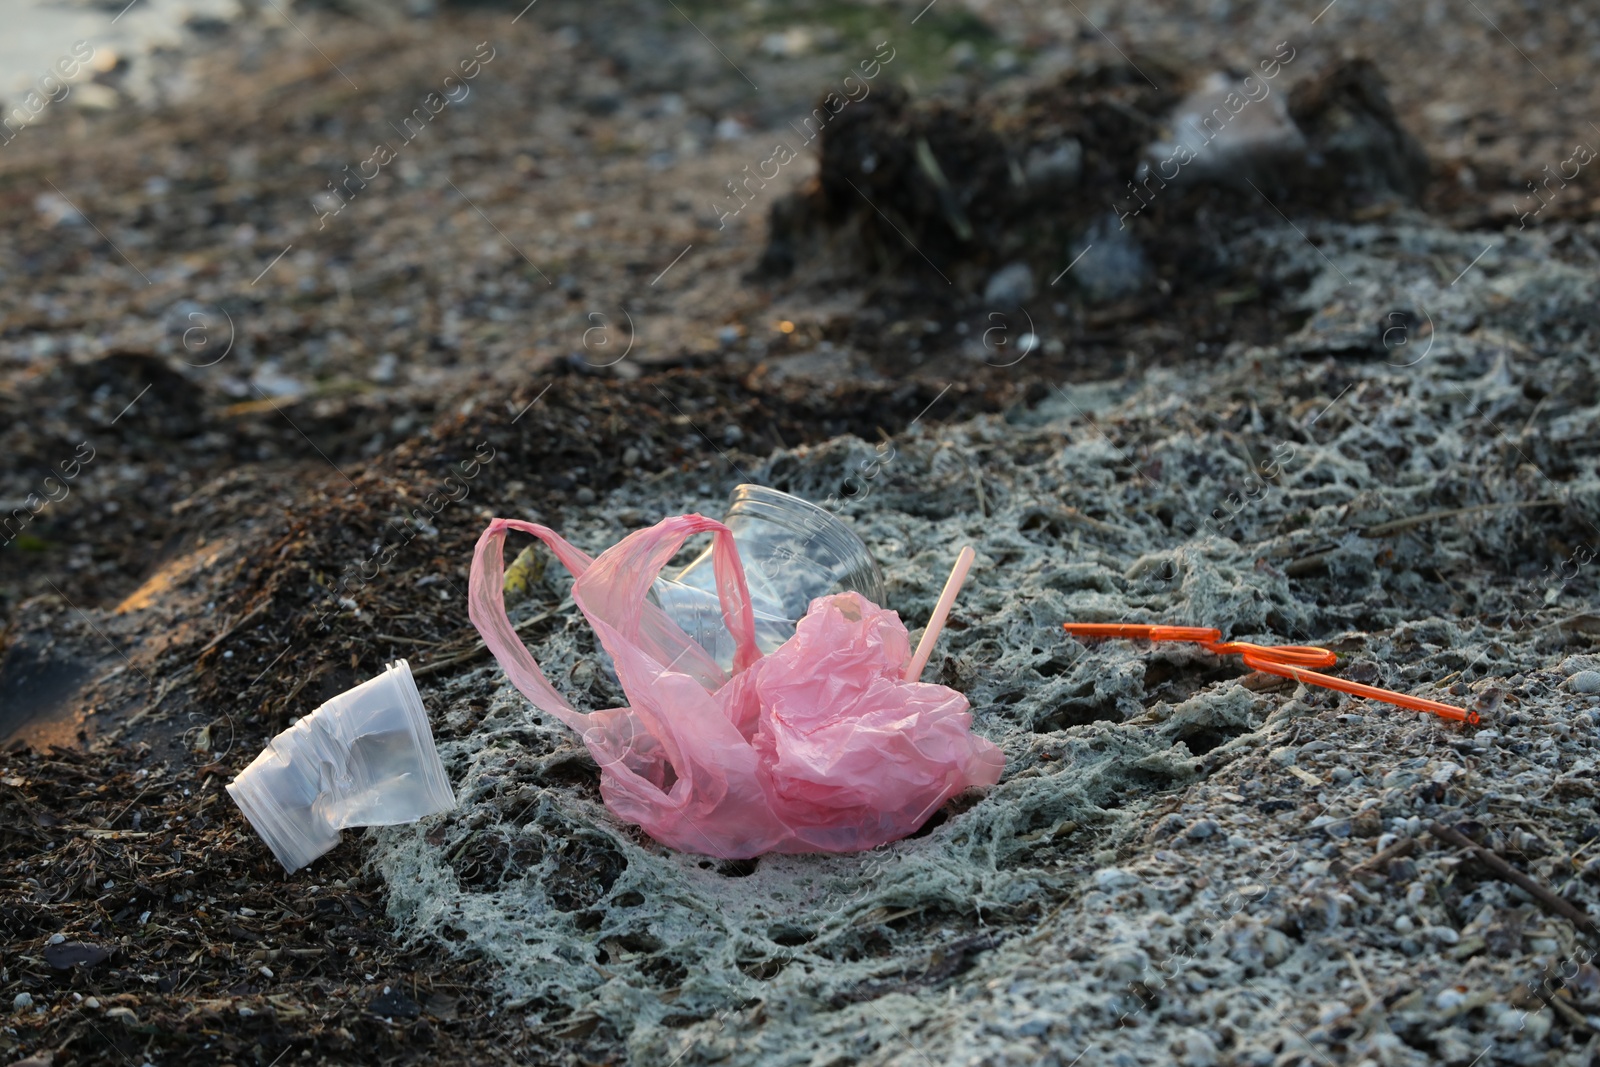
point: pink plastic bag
(819, 747)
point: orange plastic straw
(1287, 661)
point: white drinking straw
(941, 612)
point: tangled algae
(1408, 500)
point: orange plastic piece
(1288, 661)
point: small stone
(1198, 1049)
(1201, 830)
(383, 371)
(56, 939)
(1443, 934)
(1504, 938)
(585, 495)
(1404, 925)
(1166, 826)
(1585, 682)
(21, 1002)
(93, 1003)
(1010, 286)
(1113, 265)
(266, 972)
(1449, 1000)
(1114, 878)
(1275, 947)
(122, 1015)
(1059, 164)
(732, 434)
(630, 456)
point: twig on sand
(1572, 1016)
(1375, 864)
(1383, 529)
(1507, 873)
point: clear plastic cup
(793, 552)
(364, 758)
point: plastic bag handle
(636, 561)
(616, 586)
(486, 607)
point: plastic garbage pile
(775, 705)
(822, 744)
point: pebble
(1198, 1049)
(383, 371)
(1257, 136)
(56, 939)
(21, 1002)
(1449, 1000)
(1060, 164)
(93, 1003)
(585, 495)
(1113, 264)
(630, 456)
(1201, 830)
(1443, 934)
(1168, 825)
(1010, 285)
(266, 972)
(1114, 878)
(1585, 682)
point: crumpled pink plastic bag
(819, 747)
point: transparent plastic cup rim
(779, 508)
